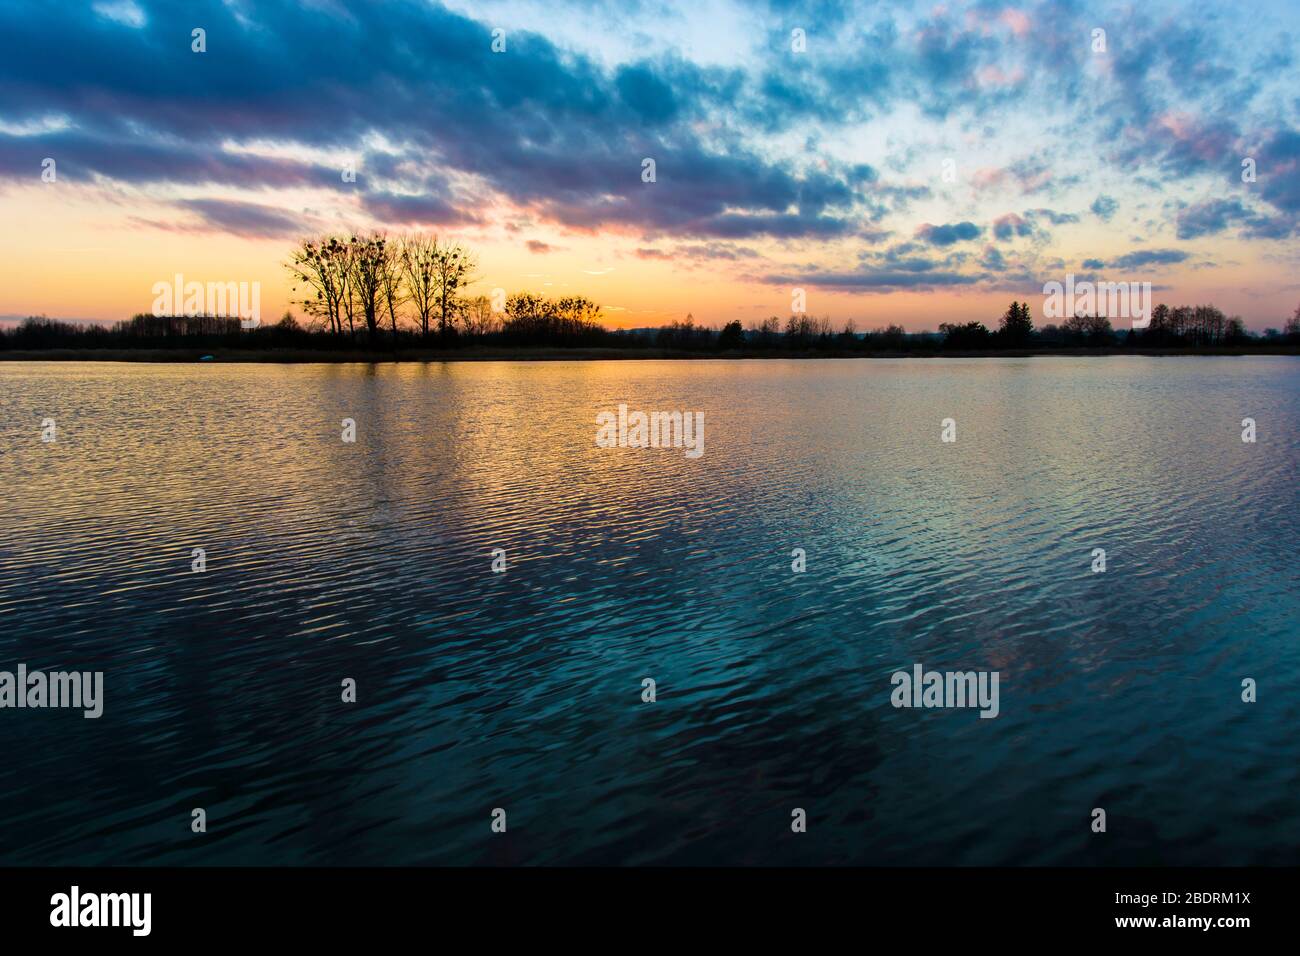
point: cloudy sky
(900, 162)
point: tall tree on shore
(341, 258)
(452, 268)
(313, 264)
(1158, 330)
(1017, 327)
(391, 290)
(368, 255)
(418, 274)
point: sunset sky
(775, 168)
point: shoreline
(333, 357)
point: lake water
(522, 690)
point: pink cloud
(995, 76)
(1203, 142)
(988, 177)
(1016, 20)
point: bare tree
(477, 316)
(366, 271)
(340, 255)
(767, 332)
(390, 283)
(452, 265)
(418, 272)
(1292, 327)
(313, 264)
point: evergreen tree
(1017, 326)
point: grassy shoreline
(489, 354)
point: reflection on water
(522, 690)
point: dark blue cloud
(1280, 226)
(946, 235)
(563, 134)
(1210, 217)
(250, 220)
(1104, 208)
(699, 252)
(898, 259)
(883, 280)
(1007, 226)
(1149, 257)
(81, 156)
(247, 219)
(427, 209)
(645, 93)
(1051, 215)
(549, 129)
(1278, 171)
(992, 259)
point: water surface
(522, 690)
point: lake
(372, 561)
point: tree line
(529, 320)
(1182, 326)
(1203, 326)
(375, 292)
(354, 282)
(373, 286)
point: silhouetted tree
(1158, 332)
(848, 337)
(391, 289)
(452, 266)
(766, 334)
(531, 319)
(418, 263)
(1017, 327)
(971, 335)
(892, 337)
(318, 268)
(369, 255)
(1088, 329)
(731, 337)
(477, 318)
(1180, 322)
(1292, 328)
(801, 330)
